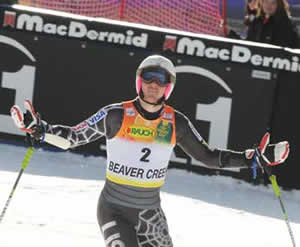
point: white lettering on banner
(237, 53)
(79, 30)
(62, 30)
(22, 81)
(240, 54)
(30, 23)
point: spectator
(251, 11)
(251, 7)
(273, 25)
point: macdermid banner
(71, 66)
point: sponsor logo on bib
(140, 132)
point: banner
(103, 31)
(71, 67)
(71, 81)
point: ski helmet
(161, 62)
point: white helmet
(157, 61)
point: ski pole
(277, 193)
(24, 165)
(276, 190)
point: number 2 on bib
(146, 154)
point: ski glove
(29, 122)
(267, 155)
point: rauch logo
(142, 132)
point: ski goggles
(161, 76)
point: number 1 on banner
(218, 114)
(22, 82)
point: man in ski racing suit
(141, 134)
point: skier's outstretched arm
(105, 122)
(194, 145)
(63, 136)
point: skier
(141, 134)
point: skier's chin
(152, 100)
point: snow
(55, 205)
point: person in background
(272, 25)
(251, 11)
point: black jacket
(277, 30)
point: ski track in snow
(55, 205)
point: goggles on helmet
(158, 74)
